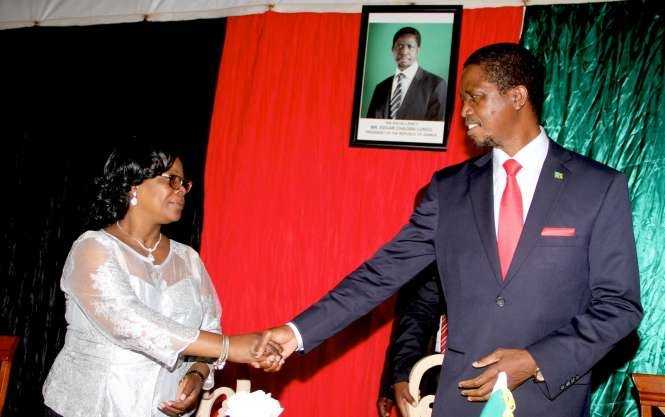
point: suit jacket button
(500, 301)
(562, 387)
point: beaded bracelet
(198, 373)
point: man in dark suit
(535, 250)
(411, 93)
(416, 334)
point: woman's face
(158, 201)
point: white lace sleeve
(212, 312)
(94, 279)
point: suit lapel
(481, 194)
(548, 188)
(389, 96)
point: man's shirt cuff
(298, 336)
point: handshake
(269, 350)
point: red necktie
(443, 333)
(510, 216)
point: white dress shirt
(409, 75)
(531, 157)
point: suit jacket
(418, 310)
(424, 100)
(566, 299)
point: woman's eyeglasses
(176, 182)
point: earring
(134, 200)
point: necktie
(396, 100)
(443, 334)
(510, 216)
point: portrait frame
(422, 121)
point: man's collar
(531, 154)
(410, 72)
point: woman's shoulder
(183, 249)
(94, 238)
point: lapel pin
(558, 175)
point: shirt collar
(531, 156)
(410, 72)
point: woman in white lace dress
(140, 307)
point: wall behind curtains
(606, 99)
(291, 208)
(68, 95)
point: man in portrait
(412, 93)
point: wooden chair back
(651, 392)
(8, 346)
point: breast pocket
(561, 266)
(577, 241)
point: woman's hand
(187, 396)
(244, 348)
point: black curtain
(68, 95)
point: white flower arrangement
(252, 404)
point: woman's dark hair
(128, 165)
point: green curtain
(605, 98)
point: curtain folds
(605, 98)
(69, 95)
(290, 208)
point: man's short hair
(408, 30)
(508, 65)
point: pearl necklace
(150, 257)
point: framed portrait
(405, 77)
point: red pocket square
(558, 231)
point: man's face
(489, 115)
(405, 51)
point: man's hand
(282, 336)
(384, 405)
(402, 397)
(254, 348)
(518, 364)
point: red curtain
(290, 208)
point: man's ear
(519, 95)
